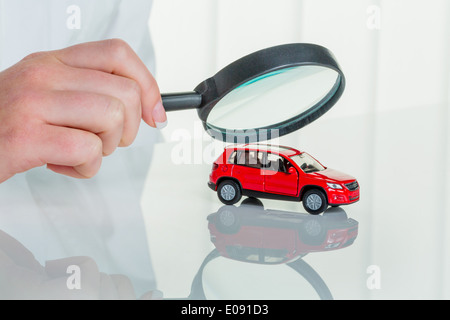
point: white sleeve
(28, 26)
(56, 216)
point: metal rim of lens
(278, 129)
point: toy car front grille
(352, 186)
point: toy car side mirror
(292, 170)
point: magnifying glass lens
(272, 99)
(266, 94)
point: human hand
(68, 108)
(23, 277)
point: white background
(390, 129)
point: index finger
(115, 56)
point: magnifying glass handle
(181, 100)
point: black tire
(229, 192)
(315, 201)
(252, 202)
(333, 215)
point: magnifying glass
(299, 265)
(266, 94)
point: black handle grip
(181, 101)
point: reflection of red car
(251, 234)
(280, 173)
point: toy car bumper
(212, 186)
(340, 197)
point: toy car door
(278, 176)
(247, 170)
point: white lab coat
(55, 216)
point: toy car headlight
(334, 185)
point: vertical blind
(395, 55)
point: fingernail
(159, 116)
(161, 125)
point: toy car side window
(288, 165)
(260, 159)
(275, 162)
(232, 158)
(249, 158)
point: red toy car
(283, 173)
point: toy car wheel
(312, 232)
(229, 192)
(334, 214)
(228, 221)
(252, 202)
(314, 201)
